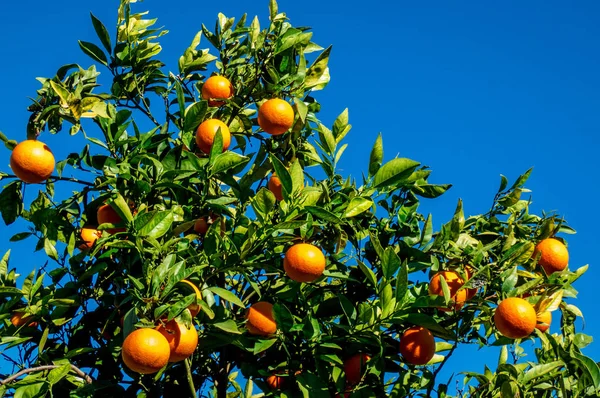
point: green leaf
(297, 175)
(358, 205)
(50, 249)
(541, 370)
(11, 202)
(341, 126)
(4, 264)
(393, 172)
(227, 161)
(31, 389)
(322, 214)
(390, 262)
(590, 367)
(376, 157)
(582, 340)
(227, 295)
(228, 326)
(402, 282)
(194, 114)
(430, 191)
(157, 225)
(102, 33)
(263, 345)
(273, 9)
(317, 75)
(263, 202)
(57, 374)
(284, 176)
(94, 52)
(121, 207)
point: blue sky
(472, 89)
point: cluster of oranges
(514, 317)
(148, 350)
(275, 116)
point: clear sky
(473, 89)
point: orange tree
(202, 256)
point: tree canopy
(213, 217)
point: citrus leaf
(228, 326)
(393, 172)
(227, 295)
(358, 205)
(157, 225)
(94, 52)
(376, 157)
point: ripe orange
(275, 116)
(201, 226)
(304, 262)
(275, 382)
(182, 341)
(32, 161)
(106, 214)
(145, 351)
(454, 282)
(89, 236)
(18, 320)
(515, 318)
(554, 255)
(194, 308)
(260, 319)
(543, 321)
(217, 88)
(354, 368)
(275, 187)
(417, 345)
(205, 134)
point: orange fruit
(89, 236)
(201, 226)
(454, 282)
(182, 341)
(417, 345)
(18, 320)
(515, 318)
(304, 262)
(32, 161)
(106, 214)
(217, 88)
(543, 321)
(194, 308)
(205, 134)
(554, 255)
(275, 116)
(145, 351)
(260, 319)
(275, 382)
(354, 368)
(275, 187)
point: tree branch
(57, 178)
(74, 368)
(439, 368)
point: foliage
(380, 250)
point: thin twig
(57, 178)
(439, 368)
(74, 368)
(190, 380)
